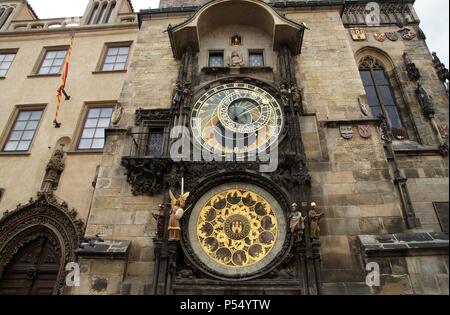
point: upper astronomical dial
(236, 118)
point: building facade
(223, 147)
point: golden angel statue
(176, 213)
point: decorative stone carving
(407, 34)
(53, 171)
(236, 60)
(425, 101)
(441, 70)
(390, 13)
(160, 115)
(117, 114)
(346, 131)
(413, 72)
(384, 132)
(381, 37)
(314, 220)
(146, 176)
(392, 36)
(358, 34)
(365, 131)
(159, 218)
(363, 106)
(43, 216)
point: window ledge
(113, 71)
(12, 153)
(87, 152)
(44, 75)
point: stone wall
(116, 213)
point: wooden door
(33, 270)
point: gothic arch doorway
(37, 241)
(34, 269)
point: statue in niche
(314, 220)
(425, 101)
(176, 213)
(297, 222)
(159, 217)
(236, 60)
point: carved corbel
(146, 176)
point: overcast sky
(433, 13)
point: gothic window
(23, 131)
(379, 94)
(99, 18)
(116, 58)
(216, 59)
(93, 133)
(93, 13)
(256, 59)
(53, 61)
(110, 11)
(6, 60)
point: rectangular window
(442, 210)
(6, 60)
(216, 59)
(116, 58)
(155, 142)
(53, 61)
(256, 59)
(23, 131)
(93, 134)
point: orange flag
(61, 88)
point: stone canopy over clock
(237, 230)
(236, 118)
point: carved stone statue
(159, 217)
(236, 60)
(436, 59)
(54, 169)
(176, 213)
(413, 72)
(284, 93)
(117, 114)
(406, 58)
(297, 222)
(177, 94)
(314, 219)
(425, 101)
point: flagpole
(61, 89)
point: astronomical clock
(233, 227)
(236, 118)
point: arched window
(94, 11)
(379, 94)
(102, 12)
(110, 11)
